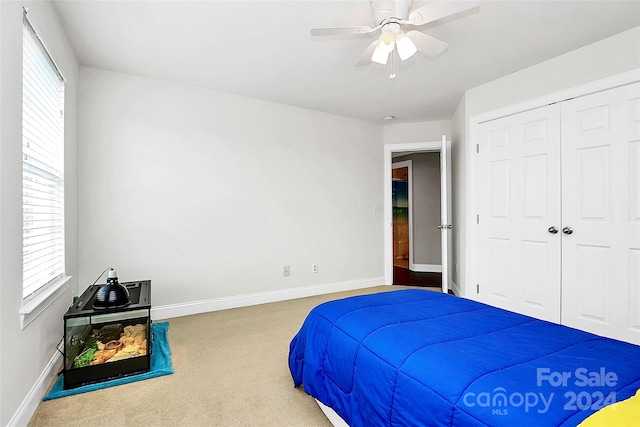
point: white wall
(458, 208)
(398, 133)
(209, 195)
(605, 58)
(25, 354)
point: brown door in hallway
(400, 200)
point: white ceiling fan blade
(440, 9)
(428, 45)
(365, 58)
(342, 31)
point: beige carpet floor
(230, 370)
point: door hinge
(477, 148)
(477, 288)
(477, 219)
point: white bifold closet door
(559, 213)
(601, 205)
(518, 199)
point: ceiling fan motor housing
(385, 9)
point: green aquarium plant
(87, 355)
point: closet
(558, 212)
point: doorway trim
(389, 150)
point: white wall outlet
(314, 267)
(285, 271)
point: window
(42, 166)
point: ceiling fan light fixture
(387, 41)
(392, 16)
(379, 56)
(406, 47)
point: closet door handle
(567, 230)
(553, 229)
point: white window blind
(43, 165)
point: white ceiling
(263, 49)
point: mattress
(416, 357)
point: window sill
(36, 306)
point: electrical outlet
(285, 271)
(314, 268)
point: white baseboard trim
(455, 288)
(224, 303)
(34, 397)
(426, 268)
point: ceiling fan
(391, 16)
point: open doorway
(416, 214)
(417, 258)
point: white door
(518, 218)
(601, 210)
(445, 224)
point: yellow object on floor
(625, 413)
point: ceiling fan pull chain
(393, 66)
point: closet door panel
(632, 322)
(518, 200)
(593, 264)
(600, 164)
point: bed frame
(331, 415)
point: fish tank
(105, 343)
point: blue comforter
(416, 357)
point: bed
(417, 357)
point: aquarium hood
(112, 294)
